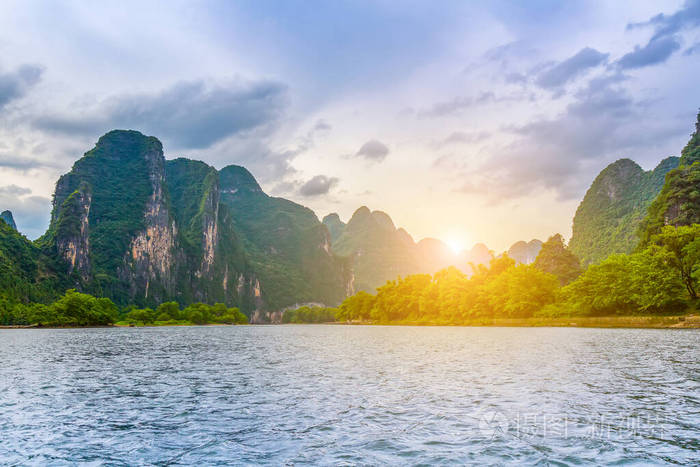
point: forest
(661, 278)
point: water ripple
(347, 395)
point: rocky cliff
(133, 228)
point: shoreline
(691, 321)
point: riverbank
(644, 322)
(631, 322)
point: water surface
(349, 395)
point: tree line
(80, 309)
(661, 278)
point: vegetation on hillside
(26, 273)
(609, 215)
(116, 174)
(678, 203)
(288, 248)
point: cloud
(574, 66)
(457, 105)
(563, 153)
(656, 51)
(318, 185)
(285, 187)
(21, 163)
(188, 115)
(322, 126)
(664, 42)
(666, 25)
(373, 150)
(15, 85)
(693, 49)
(31, 213)
(14, 190)
(463, 137)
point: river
(330, 394)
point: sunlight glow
(457, 243)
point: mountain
(609, 216)
(287, 246)
(379, 251)
(525, 252)
(9, 220)
(335, 226)
(26, 273)
(678, 203)
(131, 226)
(135, 232)
(479, 254)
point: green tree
(681, 247)
(521, 291)
(142, 315)
(169, 309)
(555, 258)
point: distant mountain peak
(9, 220)
(121, 144)
(607, 218)
(335, 226)
(237, 179)
(332, 217)
(525, 252)
(383, 219)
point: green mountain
(26, 273)
(525, 252)
(678, 203)
(335, 226)
(9, 220)
(609, 216)
(378, 250)
(287, 246)
(131, 226)
(124, 232)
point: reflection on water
(349, 394)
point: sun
(456, 243)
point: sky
(466, 121)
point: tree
(79, 309)
(681, 246)
(169, 309)
(520, 291)
(626, 284)
(555, 258)
(143, 315)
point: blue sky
(463, 120)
